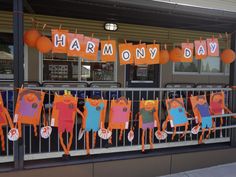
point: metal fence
(39, 148)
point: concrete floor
(226, 170)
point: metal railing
(39, 148)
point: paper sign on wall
(200, 49)
(187, 49)
(91, 48)
(75, 44)
(153, 54)
(140, 54)
(213, 47)
(126, 54)
(108, 50)
(59, 41)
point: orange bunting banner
(213, 47)
(59, 41)
(91, 48)
(200, 49)
(126, 53)
(108, 50)
(187, 49)
(75, 44)
(153, 54)
(140, 54)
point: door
(142, 76)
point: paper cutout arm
(157, 121)
(8, 118)
(80, 113)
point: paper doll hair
(149, 101)
(216, 94)
(95, 97)
(200, 97)
(25, 92)
(174, 100)
(122, 98)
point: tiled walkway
(227, 170)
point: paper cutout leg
(87, 143)
(2, 139)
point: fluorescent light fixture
(110, 26)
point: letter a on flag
(108, 50)
(213, 47)
(187, 49)
(153, 54)
(75, 46)
(126, 54)
(59, 41)
(140, 54)
(200, 49)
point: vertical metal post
(18, 29)
(233, 95)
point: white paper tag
(171, 123)
(104, 133)
(15, 118)
(126, 125)
(223, 111)
(13, 134)
(52, 122)
(155, 123)
(131, 135)
(46, 132)
(196, 119)
(81, 133)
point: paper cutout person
(177, 115)
(5, 120)
(217, 106)
(63, 116)
(119, 117)
(202, 113)
(28, 108)
(148, 119)
(94, 111)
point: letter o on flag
(126, 55)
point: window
(59, 67)
(6, 56)
(210, 65)
(142, 73)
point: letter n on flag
(75, 45)
(126, 54)
(140, 54)
(91, 48)
(153, 54)
(213, 47)
(108, 51)
(200, 49)
(187, 49)
(59, 41)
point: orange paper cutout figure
(63, 116)
(91, 48)
(94, 112)
(153, 54)
(148, 119)
(5, 120)
(200, 49)
(187, 49)
(202, 115)
(75, 45)
(213, 47)
(218, 107)
(119, 116)
(126, 53)
(108, 51)
(28, 108)
(177, 115)
(59, 41)
(140, 54)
